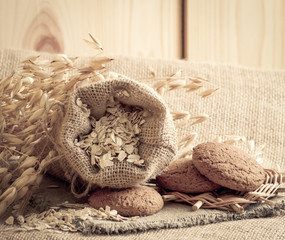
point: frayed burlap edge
(184, 218)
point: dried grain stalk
(30, 103)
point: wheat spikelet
(159, 84)
(28, 162)
(186, 141)
(200, 118)
(152, 71)
(185, 152)
(208, 92)
(175, 76)
(96, 44)
(173, 85)
(198, 79)
(5, 181)
(178, 115)
(22, 193)
(193, 87)
(10, 220)
(183, 121)
(7, 198)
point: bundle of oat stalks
(32, 102)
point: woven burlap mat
(250, 103)
(254, 229)
(173, 215)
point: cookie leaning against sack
(228, 166)
(135, 201)
(182, 176)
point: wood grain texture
(250, 33)
(125, 27)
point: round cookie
(182, 176)
(228, 166)
(136, 201)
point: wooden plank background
(246, 32)
(126, 27)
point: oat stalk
(31, 103)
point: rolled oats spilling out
(68, 217)
(115, 136)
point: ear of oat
(208, 92)
(98, 63)
(193, 87)
(251, 145)
(96, 44)
(175, 75)
(183, 121)
(185, 152)
(177, 115)
(200, 119)
(159, 84)
(176, 84)
(198, 79)
(96, 41)
(186, 141)
(152, 72)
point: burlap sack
(158, 141)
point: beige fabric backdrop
(250, 102)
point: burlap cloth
(250, 103)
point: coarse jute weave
(255, 229)
(250, 103)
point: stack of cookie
(213, 165)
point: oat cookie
(228, 166)
(136, 201)
(182, 176)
